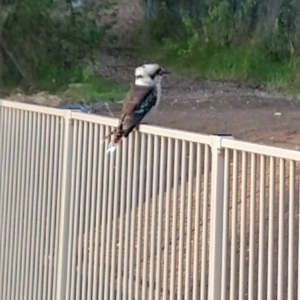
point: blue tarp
(85, 108)
(78, 107)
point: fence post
(64, 209)
(216, 215)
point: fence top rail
(108, 121)
(260, 149)
(160, 131)
(148, 129)
(33, 108)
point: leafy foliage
(252, 40)
(50, 40)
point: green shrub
(50, 40)
(243, 40)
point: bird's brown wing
(137, 103)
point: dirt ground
(204, 106)
(213, 107)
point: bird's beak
(165, 72)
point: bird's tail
(117, 135)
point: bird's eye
(153, 76)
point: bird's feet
(136, 128)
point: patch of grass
(76, 84)
(217, 43)
(247, 64)
(79, 84)
(95, 90)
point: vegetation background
(51, 45)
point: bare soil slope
(205, 106)
(214, 107)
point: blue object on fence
(223, 134)
(77, 107)
(93, 108)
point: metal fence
(170, 215)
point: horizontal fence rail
(170, 215)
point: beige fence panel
(260, 222)
(170, 215)
(30, 190)
(134, 231)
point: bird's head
(149, 74)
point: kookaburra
(141, 98)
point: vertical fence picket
(65, 204)
(217, 197)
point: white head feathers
(148, 75)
